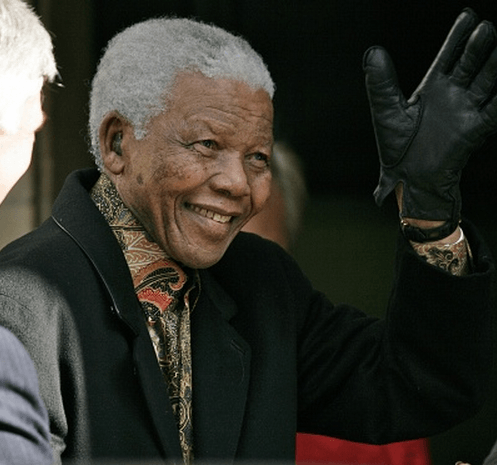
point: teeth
(210, 214)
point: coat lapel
(221, 357)
(106, 256)
(221, 374)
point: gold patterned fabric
(455, 258)
(166, 294)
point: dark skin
(203, 169)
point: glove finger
(381, 79)
(484, 85)
(393, 120)
(488, 109)
(477, 51)
(383, 93)
(453, 45)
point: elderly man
(26, 61)
(162, 333)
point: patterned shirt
(167, 295)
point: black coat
(270, 354)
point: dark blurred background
(314, 50)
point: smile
(210, 214)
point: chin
(200, 259)
(196, 252)
(200, 263)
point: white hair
(140, 64)
(26, 60)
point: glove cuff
(416, 234)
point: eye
(207, 143)
(259, 160)
(204, 147)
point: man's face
(202, 171)
(16, 149)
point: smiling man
(163, 333)
(202, 170)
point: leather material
(425, 142)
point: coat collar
(76, 214)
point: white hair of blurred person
(26, 62)
(281, 218)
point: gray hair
(26, 59)
(140, 64)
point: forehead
(197, 98)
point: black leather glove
(425, 142)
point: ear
(111, 131)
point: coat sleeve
(24, 431)
(37, 315)
(422, 369)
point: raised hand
(425, 142)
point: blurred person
(281, 218)
(167, 334)
(26, 62)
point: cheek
(174, 165)
(179, 173)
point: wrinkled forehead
(190, 87)
(225, 103)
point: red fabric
(313, 449)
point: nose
(230, 176)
